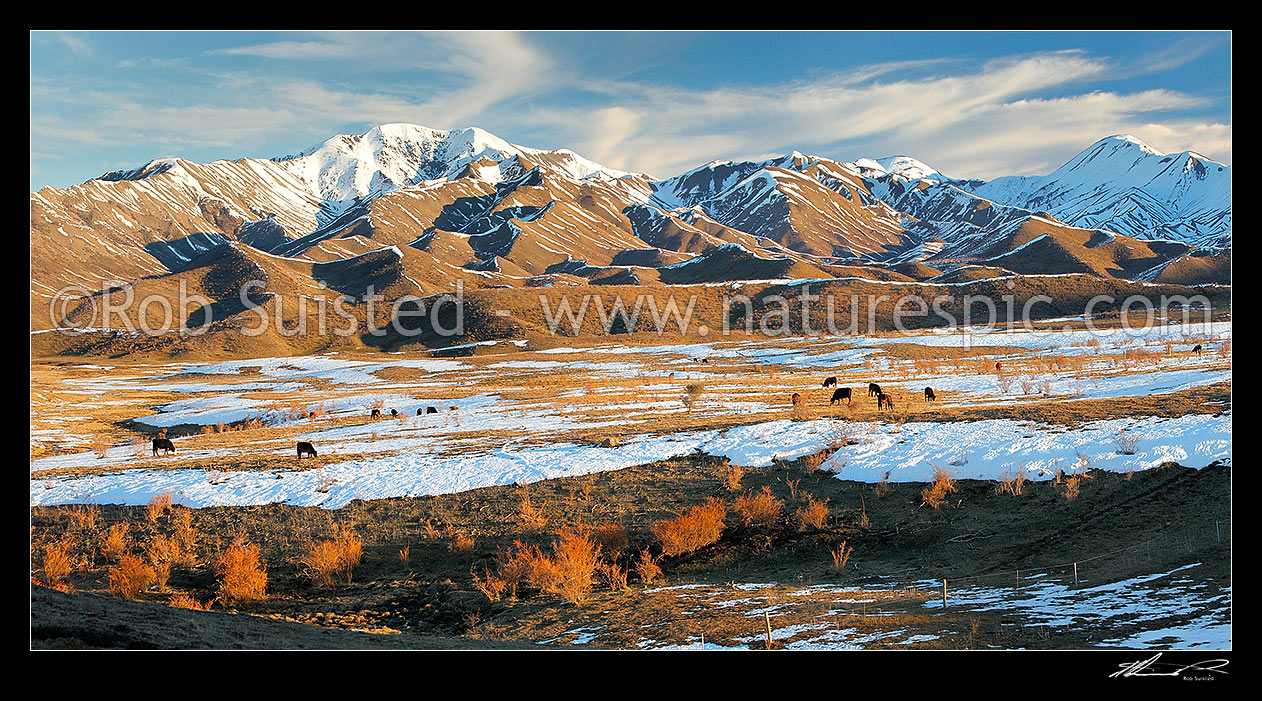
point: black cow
(419, 411)
(394, 412)
(839, 394)
(830, 382)
(929, 395)
(874, 390)
(163, 444)
(431, 410)
(305, 448)
(884, 400)
(1197, 349)
(376, 413)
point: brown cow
(305, 448)
(1197, 349)
(884, 400)
(929, 395)
(376, 413)
(163, 444)
(830, 382)
(874, 390)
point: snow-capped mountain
(464, 203)
(1122, 184)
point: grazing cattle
(874, 390)
(431, 410)
(999, 367)
(830, 382)
(797, 401)
(394, 412)
(305, 448)
(929, 395)
(453, 407)
(1197, 349)
(163, 444)
(419, 411)
(839, 394)
(376, 413)
(884, 400)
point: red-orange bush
(696, 528)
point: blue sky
(971, 104)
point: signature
(1152, 668)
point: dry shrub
(646, 567)
(529, 516)
(428, 531)
(100, 446)
(814, 460)
(612, 538)
(242, 573)
(131, 576)
(114, 544)
(761, 509)
(568, 573)
(1011, 483)
(405, 554)
(85, 517)
(613, 576)
(182, 600)
(698, 527)
(942, 485)
(462, 543)
(1071, 486)
(158, 505)
(793, 488)
(731, 475)
(57, 560)
(813, 515)
(164, 551)
(841, 555)
(330, 558)
(185, 536)
(1126, 442)
(491, 586)
(882, 488)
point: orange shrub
(731, 475)
(181, 600)
(85, 517)
(698, 527)
(568, 572)
(329, 558)
(114, 545)
(131, 576)
(530, 516)
(646, 567)
(242, 574)
(814, 514)
(761, 509)
(57, 561)
(612, 538)
(942, 485)
(185, 536)
(158, 506)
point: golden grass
(335, 557)
(841, 556)
(696, 528)
(58, 562)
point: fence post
(1218, 535)
(1018, 578)
(767, 617)
(1075, 574)
(944, 603)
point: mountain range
(438, 206)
